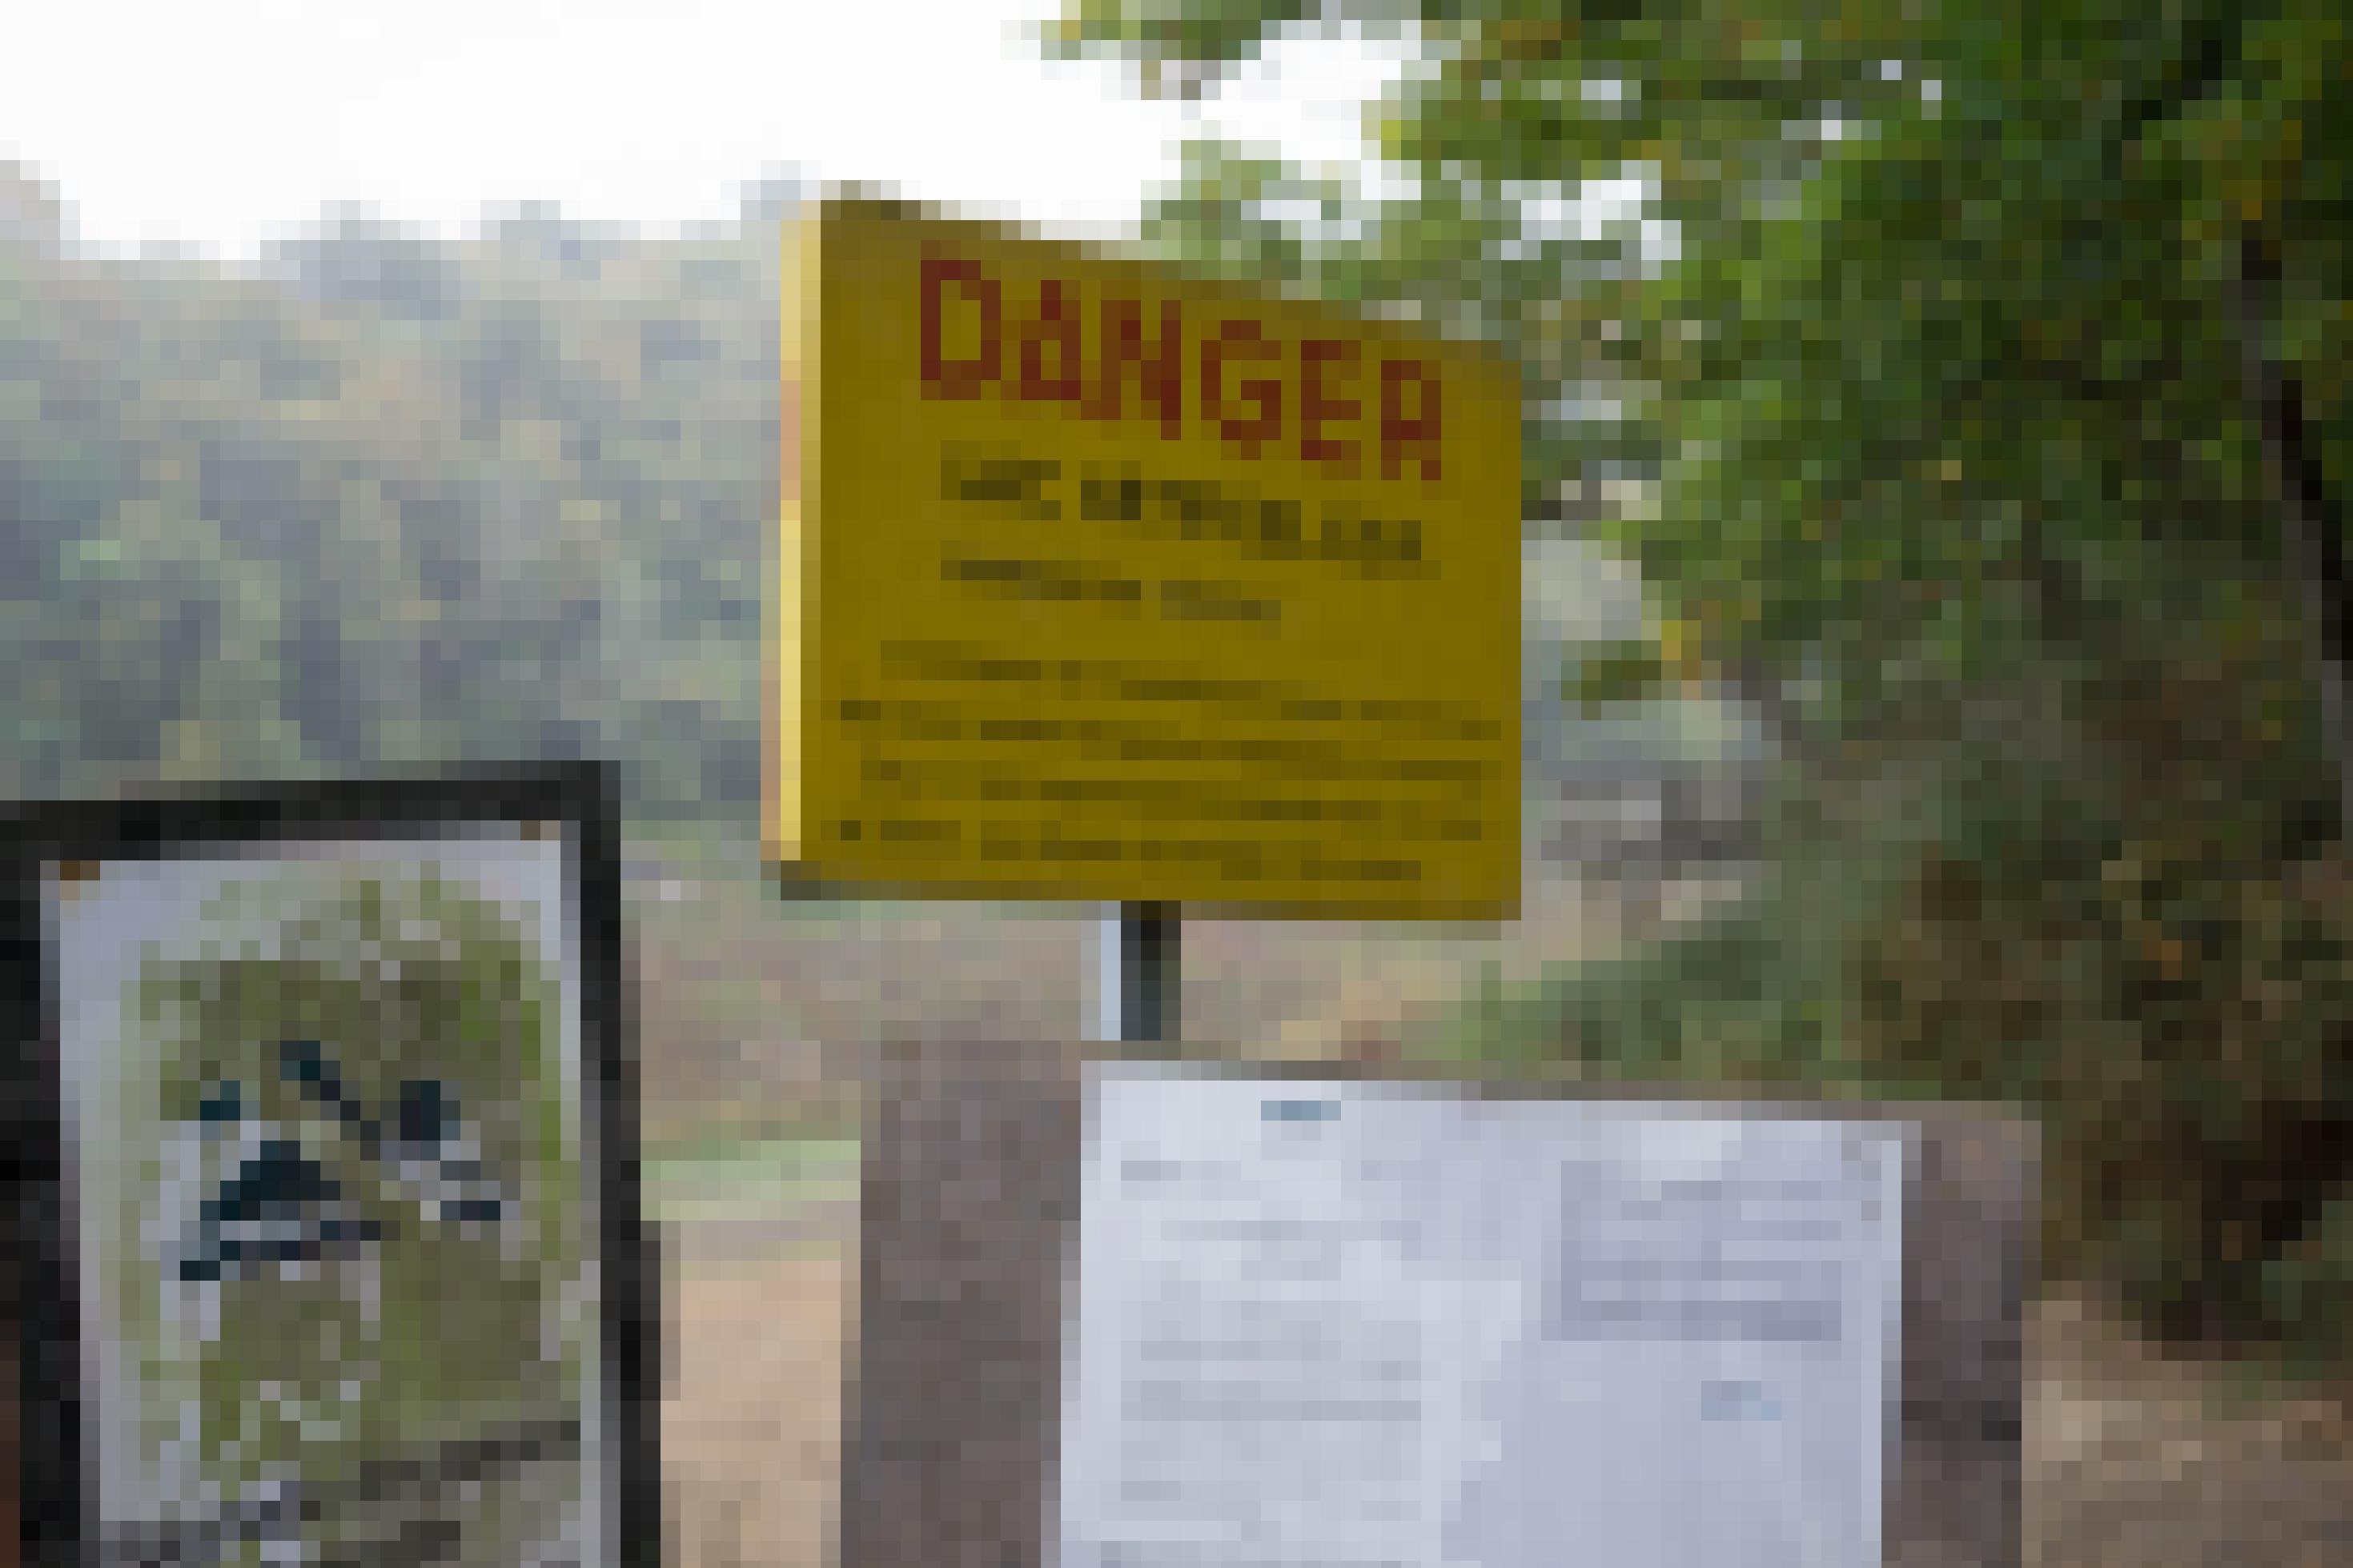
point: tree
(1990, 369)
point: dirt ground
(2131, 1463)
(752, 1421)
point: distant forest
(385, 498)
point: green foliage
(1721, 1005)
(1615, 675)
(2311, 1289)
(1960, 481)
(1181, 45)
(389, 499)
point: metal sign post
(1139, 994)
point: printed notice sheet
(1349, 1325)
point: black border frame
(55, 1505)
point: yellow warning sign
(1097, 585)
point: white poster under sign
(1349, 1325)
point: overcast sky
(218, 126)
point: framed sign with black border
(324, 1242)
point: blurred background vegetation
(1969, 392)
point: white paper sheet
(1323, 1325)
